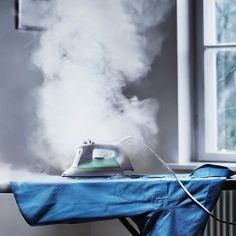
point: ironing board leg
(129, 227)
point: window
(217, 65)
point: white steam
(90, 52)
(9, 173)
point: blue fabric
(209, 170)
(156, 204)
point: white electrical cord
(176, 177)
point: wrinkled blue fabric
(207, 170)
(156, 204)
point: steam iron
(94, 160)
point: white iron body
(94, 160)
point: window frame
(201, 84)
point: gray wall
(19, 79)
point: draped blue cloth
(156, 204)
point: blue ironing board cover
(156, 204)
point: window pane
(226, 99)
(220, 23)
(225, 20)
(220, 100)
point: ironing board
(156, 204)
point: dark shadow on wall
(161, 84)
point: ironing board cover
(156, 204)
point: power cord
(176, 177)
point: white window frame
(206, 103)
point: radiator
(225, 209)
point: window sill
(185, 166)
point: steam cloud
(90, 52)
